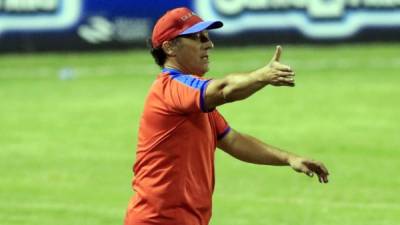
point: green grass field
(67, 146)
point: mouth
(204, 57)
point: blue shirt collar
(171, 71)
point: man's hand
(239, 86)
(310, 167)
(275, 73)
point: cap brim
(205, 25)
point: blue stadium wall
(35, 25)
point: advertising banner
(313, 20)
(97, 24)
(78, 24)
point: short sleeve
(222, 127)
(186, 93)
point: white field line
(347, 63)
(335, 204)
(152, 69)
(104, 70)
(321, 63)
(62, 207)
(297, 201)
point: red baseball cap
(177, 22)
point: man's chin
(203, 71)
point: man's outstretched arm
(252, 150)
(236, 87)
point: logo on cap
(187, 16)
(172, 23)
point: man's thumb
(277, 55)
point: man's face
(192, 52)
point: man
(180, 127)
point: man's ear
(169, 48)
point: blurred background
(74, 76)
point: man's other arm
(249, 149)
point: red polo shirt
(174, 168)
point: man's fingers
(320, 169)
(304, 169)
(324, 169)
(281, 67)
(283, 84)
(285, 74)
(323, 178)
(286, 80)
(311, 167)
(277, 55)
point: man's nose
(209, 44)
